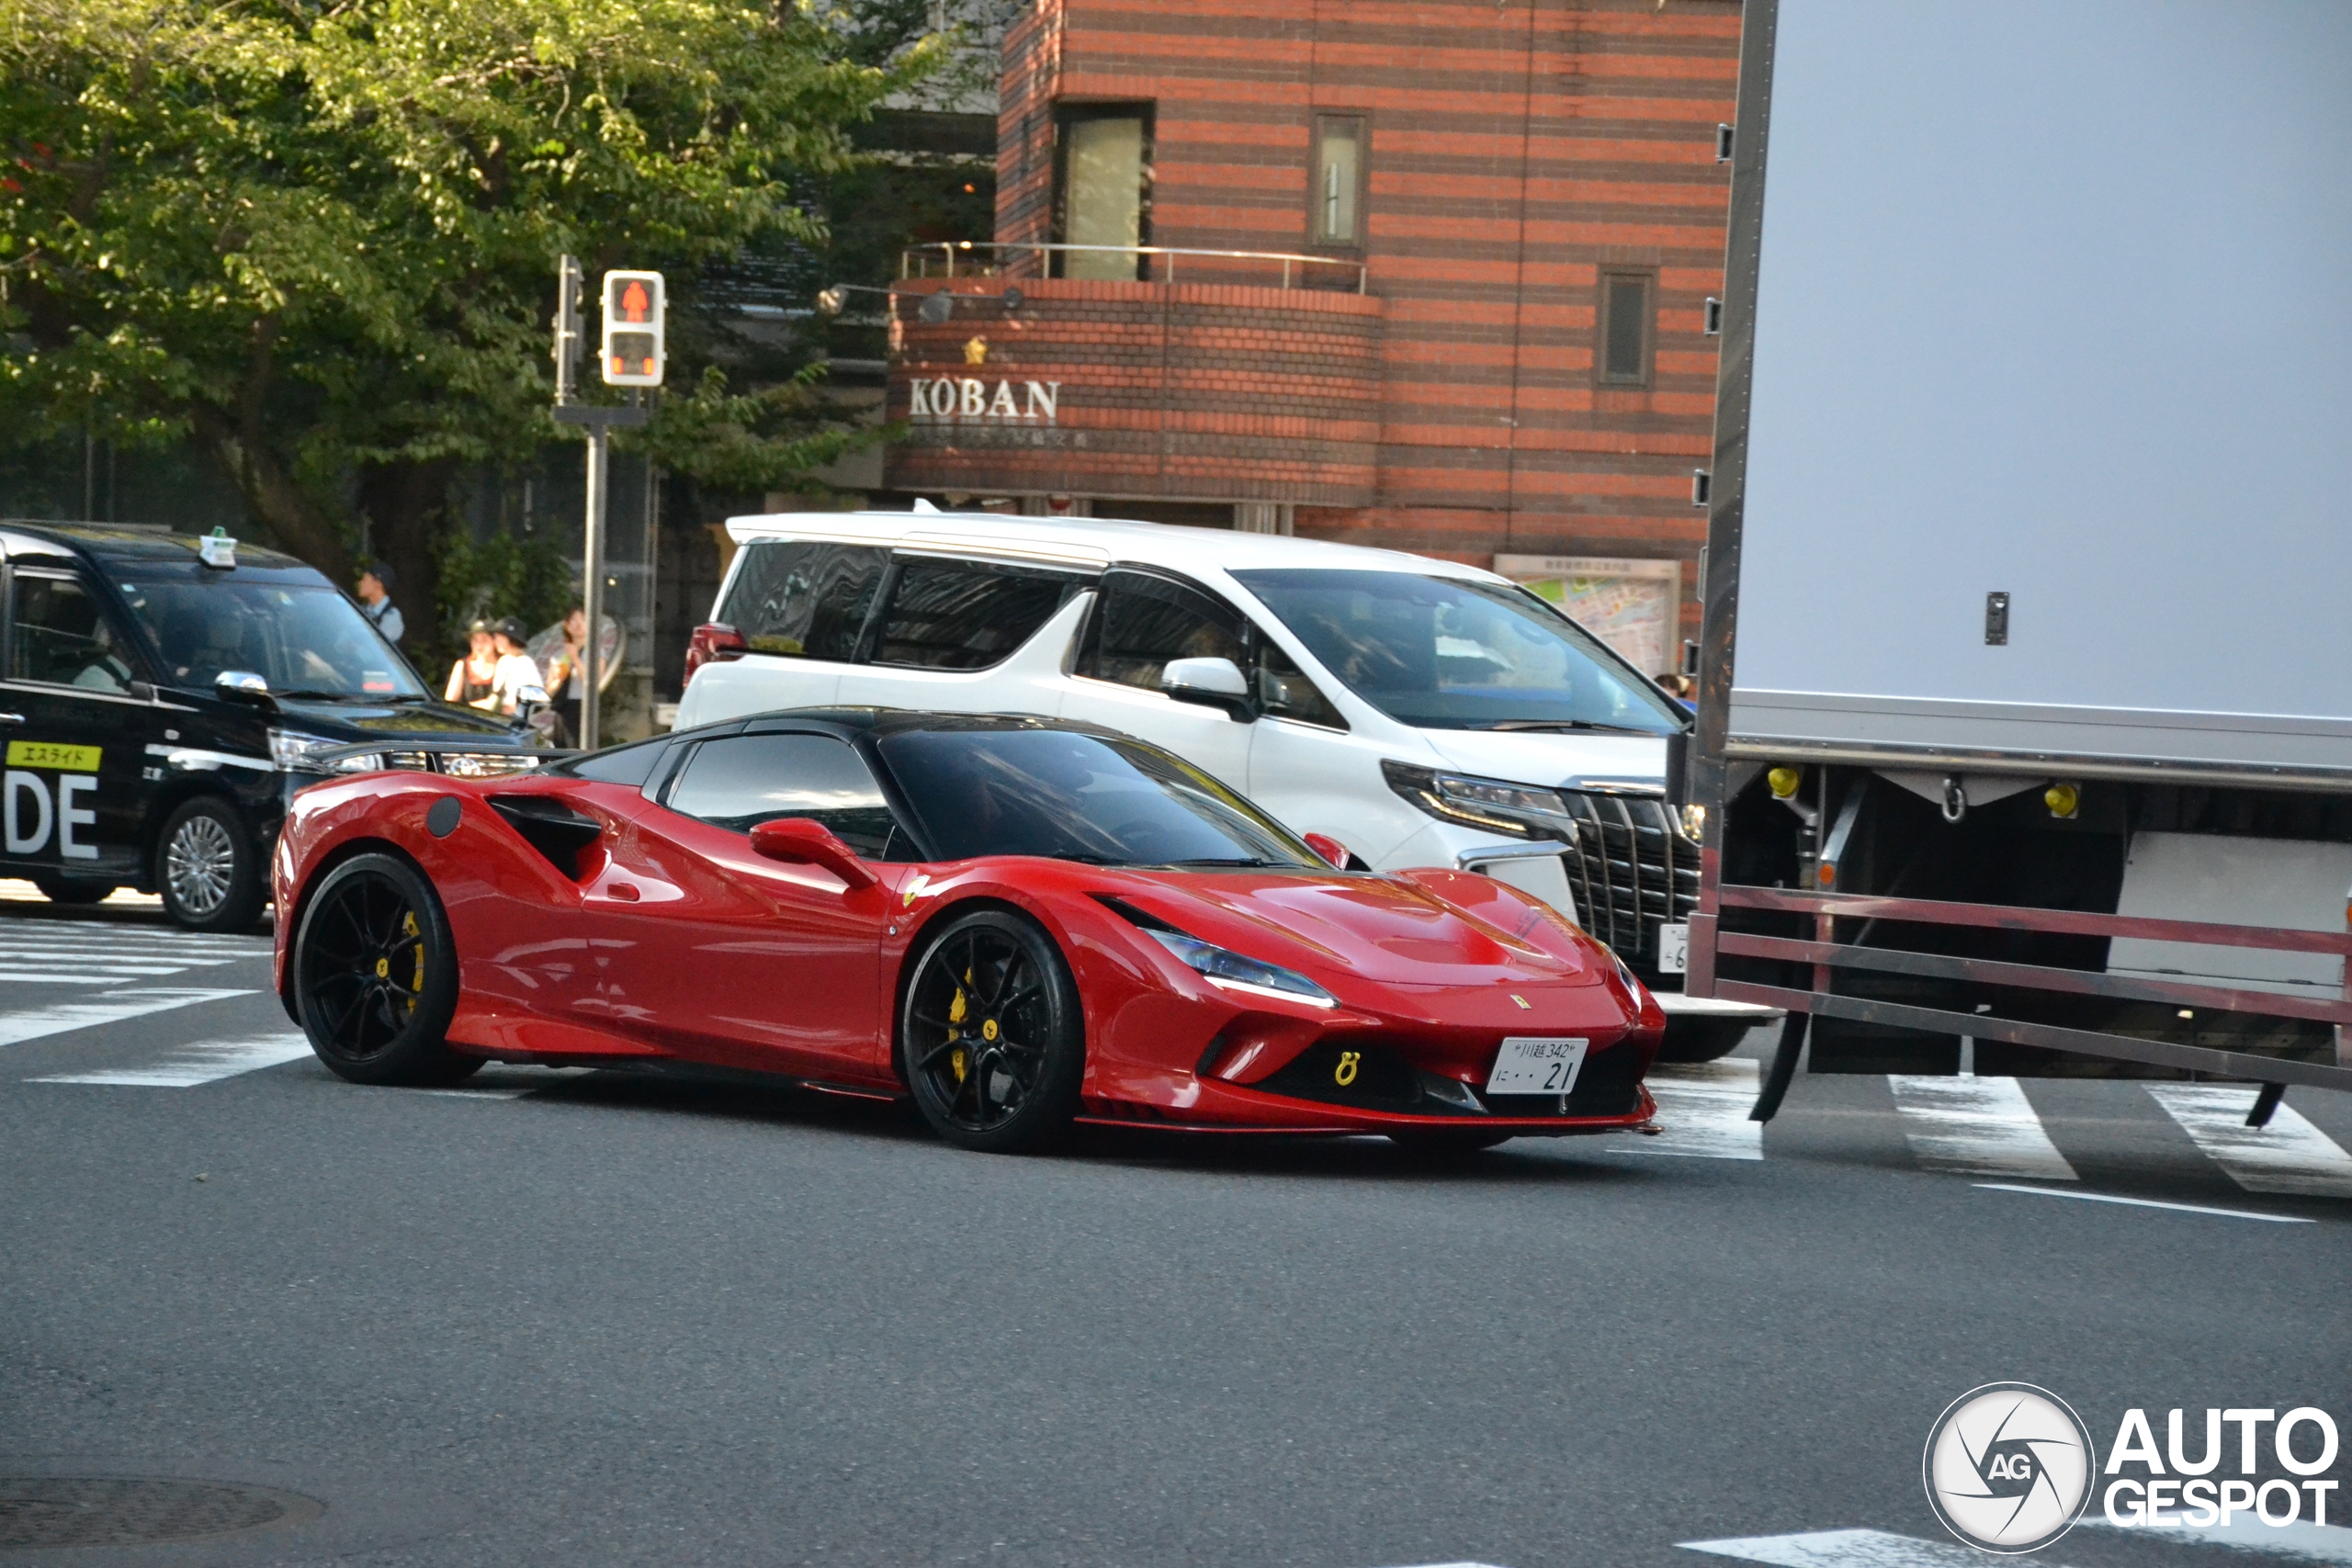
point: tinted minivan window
(742, 781)
(948, 615)
(803, 599)
(1141, 622)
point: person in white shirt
(514, 669)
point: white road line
(1703, 1107)
(1976, 1127)
(1842, 1548)
(2330, 1544)
(206, 1061)
(2288, 1156)
(17, 1027)
(2145, 1203)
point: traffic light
(632, 342)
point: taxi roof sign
(217, 549)
(632, 349)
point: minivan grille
(1631, 870)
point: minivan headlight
(1496, 805)
(1231, 971)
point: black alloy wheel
(207, 868)
(991, 1040)
(375, 975)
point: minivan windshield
(304, 639)
(1067, 795)
(1449, 653)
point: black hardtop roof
(120, 543)
(879, 722)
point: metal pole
(592, 595)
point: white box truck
(2025, 739)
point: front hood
(1372, 928)
(409, 721)
(1554, 760)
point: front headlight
(1229, 971)
(1498, 806)
(290, 750)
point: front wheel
(208, 868)
(375, 975)
(991, 1039)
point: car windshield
(301, 638)
(1449, 653)
(1083, 797)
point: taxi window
(59, 636)
(305, 641)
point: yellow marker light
(2063, 799)
(1784, 781)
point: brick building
(1461, 307)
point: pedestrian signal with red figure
(632, 343)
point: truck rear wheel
(208, 868)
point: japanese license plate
(1526, 1065)
(1674, 947)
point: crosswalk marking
(1972, 1126)
(2289, 1155)
(1703, 1107)
(34, 1024)
(1842, 1548)
(206, 1061)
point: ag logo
(2009, 1467)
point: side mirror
(1211, 682)
(1330, 848)
(796, 841)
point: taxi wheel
(375, 975)
(57, 890)
(992, 1040)
(208, 868)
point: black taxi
(165, 696)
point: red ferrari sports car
(1016, 922)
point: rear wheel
(208, 868)
(991, 1040)
(59, 890)
(376, 975)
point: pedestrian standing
(375, 579)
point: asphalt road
(583, 1319)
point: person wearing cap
(473, 680)
(514, 670)
(375, 579)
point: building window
(1102, 189)
(1623, 354)
(1338, 190)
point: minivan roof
(1090, 542)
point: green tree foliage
(320, 235)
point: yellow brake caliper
(408, 928)
(957, 1012)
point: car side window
(802, 599)
(1284, 691)
(1140, 622)
(952, 614)
(741, 781)
(59, 636)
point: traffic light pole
(598, 421)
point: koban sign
(967, 398)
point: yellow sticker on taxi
(48, 754)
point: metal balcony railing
(981, 258)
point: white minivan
(1419, 712)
